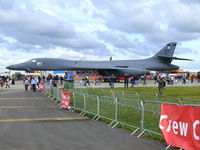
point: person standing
(155, 79)
(48, 80)
(184, 79)
(1, 83)
(126, 80)
(192, 78)
(61, 80)
(198, 77)
(112, 80)
(33, 83)
(136, 79)
(39, 79)
(161, 85)
(132, 81)
(87, 81)
(8, 82)
(144, 80)
(13, 81)
(26, 83)
(95, 80)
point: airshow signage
(65, 103)
(180, 126)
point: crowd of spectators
(5, 81)
(54, 80)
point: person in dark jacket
(112, 80)
(161, 85)
(126, 80)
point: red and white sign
(42, 86)
(65, 103)
(180, 126)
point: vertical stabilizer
(167, 51)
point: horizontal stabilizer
(173, 58)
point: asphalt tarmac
(32, 121)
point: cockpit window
(33, 60)
(39, 63)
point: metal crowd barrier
(53, 92)
(151, 122)
(137, 110)
(189, 100)
(133, 113)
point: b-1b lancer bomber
(161, 61)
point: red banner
(180, 126)
(42, 86)
(65, 103)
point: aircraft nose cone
(11, 67)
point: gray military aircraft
(161, 61)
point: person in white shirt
(7, 82)
(33, 83)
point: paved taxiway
(32, 121)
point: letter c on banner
(161, 118)
(194, 130)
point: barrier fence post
(179, 101)
(142, 119)
(138, 97)
(157, 108)
(98, 108)
(168, 147)
(93, 90)
(113, 95)
(102, 92)
(84, 105)
(60, 96)
(123, 94)
(48, 92)
(55, 94)
(116, 112)
(142, 115)
(74, 99)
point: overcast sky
(98, 29)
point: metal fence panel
(190, 101)
(163, 98)
(55, 93)
(137, 110)
(129, 112)
(118, 94)
(107, 92)
(148, 96)
(58, 95)
(52, 92)
(107, 107)
(79, 101)
(98, 91)
(152, 108)
(84, 90)
(151, 121)
(91, 103)
(131, 95)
